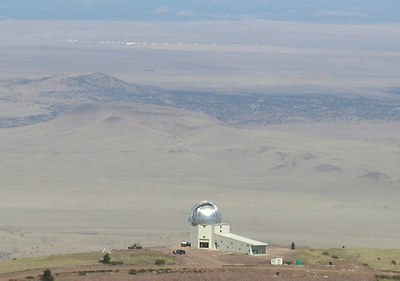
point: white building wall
(201, 236)
(221, 228)
(259, 250)
(277, 261)
(231, 245)
(212, 237)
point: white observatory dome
(203, 213)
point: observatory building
(208, 232)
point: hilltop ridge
(55, 95)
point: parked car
(179, 252)
(186, 244)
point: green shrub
(106, 259)
(133, 272)
(160, 261)
(137, 246)
(47, 276)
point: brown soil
(211, 265)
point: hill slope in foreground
(161, 264)
(112, 173)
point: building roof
(242, 239)
(205, 213)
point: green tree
(106, 259)
(47, 276)
(292, 246)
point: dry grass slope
(380, 259)
(349, 264)
(137, 258)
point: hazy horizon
(90, 161)
(252, 55)
(312, 11)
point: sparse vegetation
(381, 277)
(136, 246)
(233, 109)
(47, 275)
(142, 258)
(150, 261)
(381, 259)
(146, 262)
(106, 259)
(160, 261)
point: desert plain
(112, 173)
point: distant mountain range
(24, 102)
(305, 11)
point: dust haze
(120, 156)
(266, 56)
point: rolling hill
(38, 100)
(106, 170)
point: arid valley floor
(115, 174)
(108, 144)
